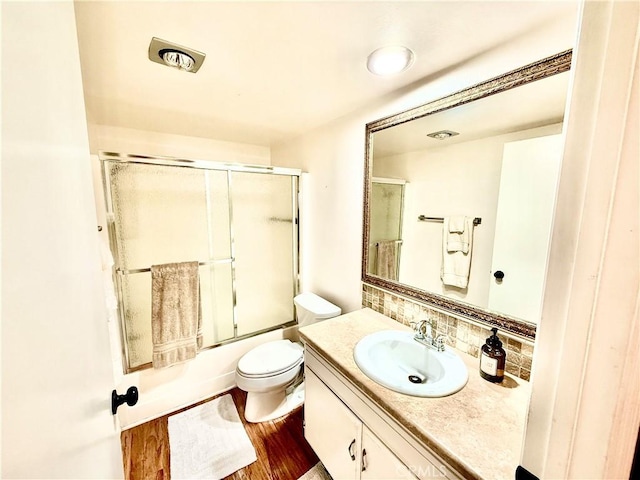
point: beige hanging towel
(176, 325)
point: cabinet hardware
(364, 459)
(353, 442)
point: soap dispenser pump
(492, 359)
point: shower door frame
(403, 184)
(206, 165)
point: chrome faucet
(425, 334)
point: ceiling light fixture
(442, 134)
(177, 59)
(176, 56)
(390, 60)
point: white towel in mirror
(456, 254)
(456, 223)
(458, 231)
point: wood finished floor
(283, 453)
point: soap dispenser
(492, 359)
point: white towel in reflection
(458, 231)
(456, 223)
(456, 255)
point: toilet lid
(271, 358)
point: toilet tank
(310, 308)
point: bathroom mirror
(460, 195)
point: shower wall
(240, 225)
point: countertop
(478, 431)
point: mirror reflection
(461, 201)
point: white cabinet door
(378, 463)
(331, 429)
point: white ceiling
(274, 70)
(514, 110)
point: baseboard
(166, 390)
(180, 398)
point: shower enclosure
(239, 222)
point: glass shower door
(161, 214)
(240, 225)
(216, 279)
(263, 238)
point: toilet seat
(270, 359)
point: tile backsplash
(461, 334)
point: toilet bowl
(272, 373)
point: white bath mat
(209, 441)
(317, 472)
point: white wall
(129, 140)
(584, 413)
(56, 372)
(333, 155)
(330, 211)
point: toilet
(271, 373)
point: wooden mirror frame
(547, 67)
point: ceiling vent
(442, 134)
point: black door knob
(499, 274)
(131, 397)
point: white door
(528, 184)
(331, 429)
(57, 374)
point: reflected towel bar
(399, 242)
(143, 270)
(423, 218)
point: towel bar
(399, 242)
(143, 270)
(424, 218)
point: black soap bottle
(492, 359)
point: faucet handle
(429, 328)
(419, 328)
(439, 343)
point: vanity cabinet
(347, 448)
(333, 431)
(353, 437)
(378, 462)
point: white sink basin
(395, 360)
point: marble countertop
(478, 430)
